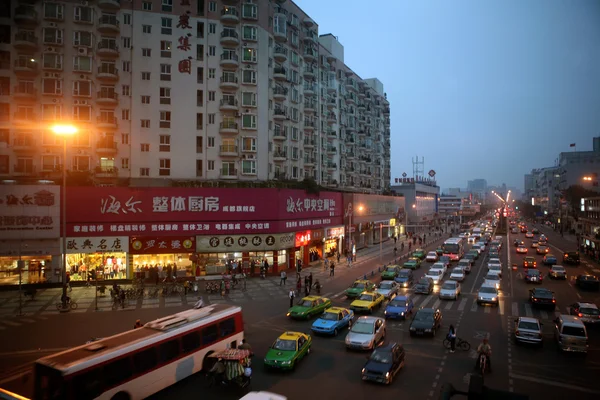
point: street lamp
(64, 131)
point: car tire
(335, 332)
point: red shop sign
(162, 245)
(303, 238)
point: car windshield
(449, 286)
(492, 277)
(434, 272)
(589, 311)
(533, 272)
(424, 282)
(306, 303)
(404, 274)
(386, 285)
(529, 259)
(391, 269)
(358, 285)
(464, 263)
(543, 294)
(329, 316)
(573, 331)
(366, 297)
(533, 326)
(487, 289)
(495, 268)
(550, 256)
(424, 317)
(398, 302)
(558, 269)
(457, 270)
(363, 328)
(494, 261)
(384, 357)
(285, 344)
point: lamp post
(64, 131)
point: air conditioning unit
(83, 102)
(50, 50)
(85, 3)
(82, 50)
(249, 157)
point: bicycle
(460, 344)
(71, 304)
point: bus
(140, 362)
(454, 248)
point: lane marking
(436, 304)
(449, 306)
(474, 307)
(11, 323)
(501, 307)
(487, 310)
(515, 309)
(528, 310)
(553, 383)
(426, 301)
(463, 303)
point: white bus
(454, 248)
(138, 363)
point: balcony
(311, 37)
(279, 74)
(228, 150)
(106, 122)
(351, 99)
(230, 37)
(106, 172)
(279, 155)
(24, 67)
(228, 127)
(361, 106)
(230, 60)
(309, 107)
(280, 176)
(309, 143)
(25, 41)
(280, 93)
(386, 111)
(280, 54)
(26, 15)
(309, 72)
(309, 89)
(228, 104)
(309, 161)
(230, 15)
(332, 134)
(24, 93)
(310, 54)
(229, 82)
(331, 103)
(309, 126)
(350, 84)
(331, 118)
(331, 150)
(107, 49)
(106, 146)
(108, 24)
(107, 73)
(24, 145)
(279, 134)
(24, 170)
(107, 98)
(21, 117)
(109, 4)
(350, 155)
(228, 173)
(331, 166)
(279, 114)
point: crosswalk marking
(501, 307)
(544, 315)
(436, 304)
(474, 307)
(449, 305)
(515, 309)
(426, 301)
(463, 303)
(487, 310)
(528, 311)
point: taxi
(333, 320)
(287, 350)
(308, 307)
(390, 272)
(419, 253)
(367, 302)
(412, 263)
(358, 287)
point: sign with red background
(303, 238)
(162, 244)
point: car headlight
(427, 330)
(286, 362)
(387, 374)
(363, 371)
(494, 298)
(385, 312)
(402, 313)
(288, 314)
(266, 360)
(481, 298)
(411, 328)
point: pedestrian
(452, 338)
(283, 278)
(306, 285)
(299, 285)
(222, 288)
(332, 269)
(291, 296)
(338, 257)
(326, 264)
(310, 279)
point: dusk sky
(481, 89)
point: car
(439, 251)
(404, 278)
(388, 289)
(426, 321)
(528, 330)
(534, 244)
(514, 230)
(533, 276)
(424, 286)
(542, 242)
(543, 238)
(524, 229)
(494, 260)
(390, 272)
(445, 260)
(419, 253)
(587, 282)
(542, 297)
(518, 243)
(480, 246)
(308, 307)
(440, 266)
(465, 265)
(366, 333)
(529, 235)
(549, 259)
(587, 312)
(367, 302)
(492, 280)
(332, 321)
(494, 253)
(542, 249)
(399, 307)
(358, 287)
(412, 263)
(475, 253)
(450, 290)
(557, 272)
(384, 363)
(495, 269)
(487, 294)
(535, 231)
(522, 250)
(431, 256)
(436, 275)
(287, 350)
(470, 256)
(458, 274)
(571, 257)
(529, 262)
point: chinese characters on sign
(237, 243)
(335, 232)
(163, 245)
(309, 205)
(308, 223)
(97, 245)
(185, 64)
(303, 238)
(201, 228)
(30, 210)
(165, 204)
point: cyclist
(484, 348)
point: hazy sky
(481, 89)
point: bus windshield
(453, 248)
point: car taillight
(517, 333)
(580, 315)
(554, 300)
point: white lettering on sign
(308, 205)
(112, 205)
(307, 223)
(163, 204)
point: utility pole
(20, 268)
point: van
(570, 333)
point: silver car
(366, 333)
(487, 294)
(492, 279)
(466, 265)
(558, 272)
(528, 330)
(457, 274)
(450, 290)
(389, 289)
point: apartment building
(186, 90)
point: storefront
(308, 246)
(99, 258)
(333, 240)
(41, 261)
(159, 256)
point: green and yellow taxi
(419, 253)
(287, 350)
(358, 287)
(439, 251)
(390, 272)
(412, 263)
(367, 302)
(308, 307)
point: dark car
(384, 363)
(588, 282)
(518, 243)
(470, 256)
(541, 297)
(533, 276)
(535, 231)
(424, 286)
(404, 278)
(571, 257)
(426, 322)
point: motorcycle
(483, 363)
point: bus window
(116, 372)
(49, 383)
(88, 385)
(145, 360)
(190, 342)
(227, 327)
(168, 351)
(209, 335)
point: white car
(440, 265)
(495, 261)
(431, 256)
(457, 274)
(492, 280)
(495, 269)
(487, 295)
(389, 289)
(436, 275)
(465, 264)
(450, 290)
(476, 247)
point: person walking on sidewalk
(283, 278)
(338, 257)
(332, 269)
(291, 295)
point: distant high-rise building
(478, 187)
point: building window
(250, 33)
(200, 75)
(126, 65)
(248, 99)
(83, 15)
(249, 11)
(165, 72)
(166, 26)
(146, 28)
(54, 11)
(52, 61)
(249, 144)
(80, 88)
(165, 119)
(145, 123)
(167, 5)
(145, 147)
(126, 42)
(211, 95)
(199, 144)
(147, 5)
(249, 121)
(199, 121)
(126, 90)
(165, 49)
(212, 73)
(165, 167)
(144, 171)
(200, 30)
(248, 167)
(212, 6)
(145, 76)
(164, 143)
(126, 19)
(165, 95)
(146, 52)
(210, 165)
(249, 55)
(125, 115)
(200, 52)
(212, 28)
(82, 64)
(212, 50)
(211, 142)
(51, 112)
(82, 113)
(124, 163)
(82, 38)
(211, 119)
(198, 168)
(199, 98)
(124, 138)
(249, 77)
